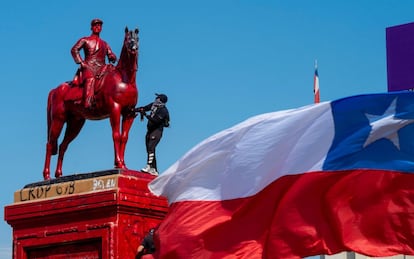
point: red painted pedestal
(97, 215)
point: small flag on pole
(316, 84)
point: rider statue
(95, 52)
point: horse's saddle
(76, 85)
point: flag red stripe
(368, 211)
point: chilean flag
(321, 179)
(316, 85)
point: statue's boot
(88, 93)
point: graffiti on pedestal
(56, 190)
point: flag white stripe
(242, 160)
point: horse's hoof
(46, 175)
(121, 166)
(58, 174)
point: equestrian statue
(112, 93)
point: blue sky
(219, 62)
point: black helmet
(163, 97)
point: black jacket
(158, 118)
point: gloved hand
(141, 111)
(112, 58)
(135, 111)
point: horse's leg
(46, 168)
(73, 127)
(56, 125)
(126, 126)
(115, 118)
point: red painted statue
(114, 94)
(95, 50)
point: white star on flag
(386, 126)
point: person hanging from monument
(147, 246)
(95, 51)
(158, 118)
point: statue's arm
(111, 55)
(76, 51)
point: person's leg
(153, 141)
(147, 168)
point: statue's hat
(96, 20)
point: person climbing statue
(158, 118)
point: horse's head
(129, 54)
(131, 40)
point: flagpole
(316, 84)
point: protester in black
(158, 118)
(147, 245)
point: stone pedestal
(96, 215)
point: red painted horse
(116, 94)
